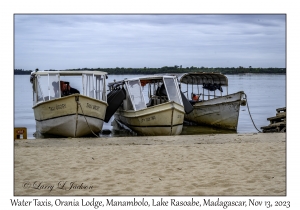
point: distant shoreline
(172, 70)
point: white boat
(162, 115)
(69, 103)
(211, 106)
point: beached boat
(211, 106)
(69, 103)
(162, 115)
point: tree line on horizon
(170, 69)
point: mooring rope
(86, 119)
(250, 113)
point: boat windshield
(172, 89)
(44, 88)
(136, 94)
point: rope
(250, 113)
(86, 120)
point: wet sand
(186, 165)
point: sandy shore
(192, 165)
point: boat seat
(155, 100)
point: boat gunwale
(69, 96)
(152, 107)
(198, 103)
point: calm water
(265, 93)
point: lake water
(265, 93)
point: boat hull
(222, 112)
(162, 119)
(71, 116)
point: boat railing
(212, 95)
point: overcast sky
(77, 41)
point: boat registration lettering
(147, 119)
(57, 106)
(92, 106)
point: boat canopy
(200, 78)
(143, 80)
(68, 73)
(48, 85)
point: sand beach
(251, 164)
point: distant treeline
(172, 69)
